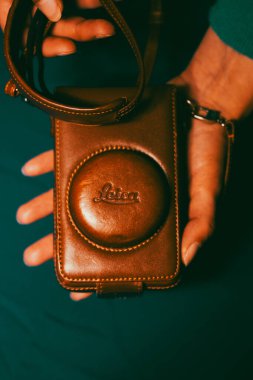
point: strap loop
(20, 65)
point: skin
(218, 77)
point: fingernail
(67, 52)
(19, 218)
(50, 8)
(190, 253)
(23, 170)
(100, 36)
(75, 296)
(56, 14)
(30, 257)
(22, 217)
(28, 169)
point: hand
(219, 78)
(60, 42)
(206, 151)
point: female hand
(60, 42)
(65, 31)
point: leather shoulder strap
(155, 22)
(20, 64)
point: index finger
(52, 9)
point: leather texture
(126, 237)
(130, 196)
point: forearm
(219, 77)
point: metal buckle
(211, 116)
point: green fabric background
(200, 330)
(232, 21)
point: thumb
(206, 156)
(52, 9)
(200, 225)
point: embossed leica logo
(116, 196)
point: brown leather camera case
(116, 198)
(116, 195)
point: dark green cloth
(232, 20)
(199, 330)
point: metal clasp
(11, 89)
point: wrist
(220, 78)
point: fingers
(76, 28)
(207, 145)
(4, 10)
(54, 46)
(39, 252)
(79, 296)
(35, 209)
(80, 29)
(52, 9)
(40, 206)
(41, 164)
(89, 3)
